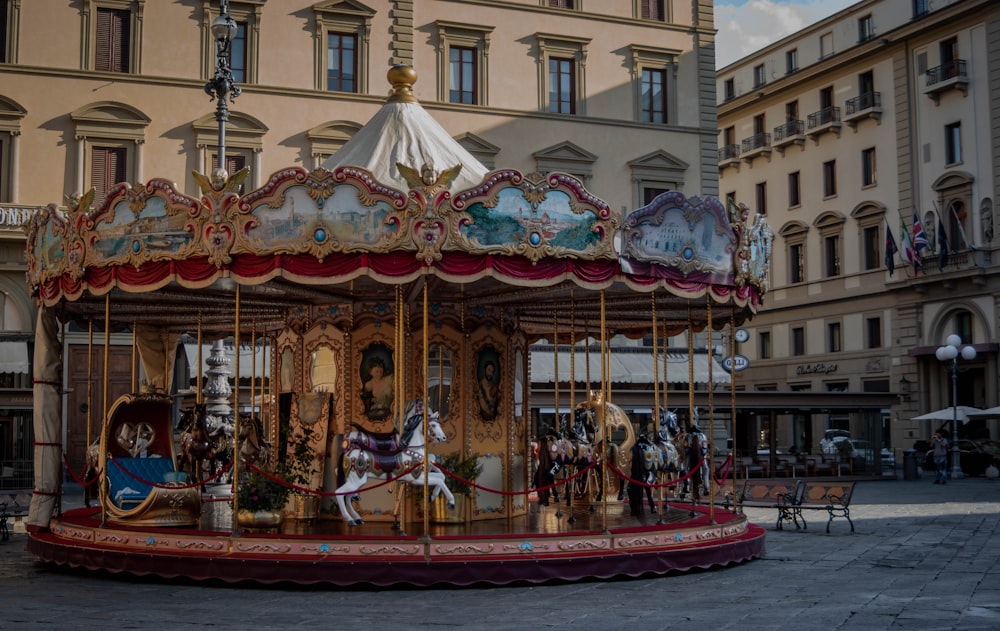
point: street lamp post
(949, 353)
(222, 84)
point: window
(341, 62)
(654, 96)
(829, 178)
(107, 168)
(759, 125)
(794, 190)
(111, 136)
(244, 142)
(653, 72)
(831, 253)
(796, 264)
(791, 111)
(791, 60)
(730, 199)
(238, 53)
(652, 10)
(798, 341)
(826, 98)
(868, 167)
(654, 173)
(873, 332)
(872, 243)
(866, 28)
(963, 326)
(11, 114)
(561, 82)
(866, 87)
(341, 46)
(833, 337)
(9, 12)
(560, 4)
(729, 89)
(764, 345)
(956, 226)
(562, 79)
(462, 62)
(112, 40)
(825, 45)
(920, 8)
(650, 193)
(327, 139)
(761, 198)
(565, 157)
(953, 143)
(759, 76)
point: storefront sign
(16, 216)
(815, 369)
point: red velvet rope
(38, 444)
(77, 478)
(302, 489)
(45, 382)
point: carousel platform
(539, 547)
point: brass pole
(690, 340)
(604, 419)
(711, 413)
(104, 415)
(656, 396)
(90, 378)
(732, 395)
(197, 393)
(555, 367)
(132, 365)
(572, 359)
(427, 447)
(236, 412)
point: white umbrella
(987, 413)
(963, 413)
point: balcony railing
(951, 75)
(756, 145)
(792, 132)
(729, 155)
(824, 121)
(867, 105)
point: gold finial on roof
(402, 79)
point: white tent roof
(403, 132)
(627, 366)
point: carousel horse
(198, 447)
(652, 460)
(693, 448)
(388, 456)
(592, 413)
(254, 447)
(559, 451)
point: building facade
(96, 92)
(847, 134)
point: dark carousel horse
(198, 446)
(558, 452)
(254, 447)
(651, 461)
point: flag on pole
(919, 238)
(890, 250)
(910, 254)
(942, 242)
(961, 228)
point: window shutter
(107, 168)
(113, 33)
(652, 10)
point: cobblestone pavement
(923, 557)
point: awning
(627, 366)
(14, 357)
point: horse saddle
(381, 448)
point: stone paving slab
(923, 557)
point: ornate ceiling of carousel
(400, 208)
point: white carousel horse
(381, 456)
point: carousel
(391, 298)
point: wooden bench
(834, 497)
(12, 506)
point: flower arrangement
(262, 493)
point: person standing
(940, 446)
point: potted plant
(467, 468)
(302, 467)
(261, 498)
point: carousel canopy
(501, 245)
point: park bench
(764, 494)
(834, 497)
(12, 506)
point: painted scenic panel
(149, 230)
(515, 220)
(341, 217)
(672, 229)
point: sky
(745, 26)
